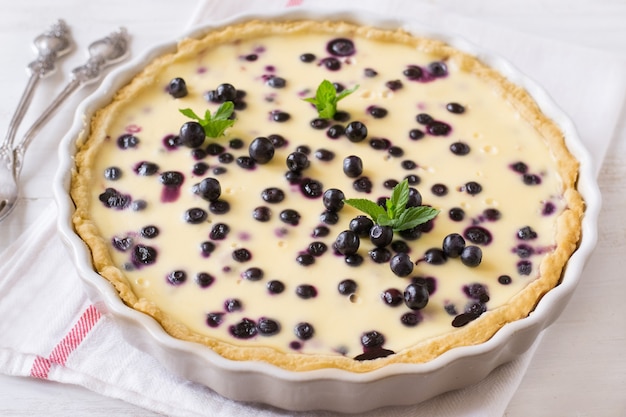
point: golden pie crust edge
(568, 231)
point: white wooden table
(580, 366)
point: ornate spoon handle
(49, 46)
(102, 53)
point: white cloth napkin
(50, 330)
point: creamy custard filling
(512, 217)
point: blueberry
(354, 259)
(356, 131)
(242, 255)
(455, 108)
(526, 233)
(214, 319)
(329, 217)
(333, 199)
(192, 134)
(246, 162)
(290, 216)
(195, 215)
(297, 161)
(225, 92)
(304, 331)
(262, 214)
(492, 214)
(524, 267)
(138, 205)
(347, 242)
(400, 246)
(424, 118)
(370, 73)
(352, 166)
(362, 185)
(524, 251)
(456, 214)
(411, 234)
(226, 158)
(206, 248)
(127, 141)
(245, 329)
(411, 319)
(307, 57)
(232, 305)
(380, 255)
(413, 72)
(361, 225)
(377, 112)
(340, 47)
(394, 85)
(252, 274)
(439, 190)
(415, 198)
(261, 150)
(311, 188)
(209, 189)
(219, 231)
(112, 173)
(122, 243)
(177, 277)
(219, 207)
(407, 164)
(392, 297)
(372, 339)
(236, 143)
(273, 195)
(453, 245)
(214, 149)
(177, 88)
(320, 231)
(477, 291)
(381, 236)
(471, 256)
(505, 279)
(438, 128)
(460, 148)
(389, 184)
(435, 256)
(531, 179)
(305, 259)
(438, 69)
(149, 232)
(347, 286)
(144, 255)
(267, 326)
(335, 131)
(416, 134)
(473, 188)
(317, 248)
(112, 198)
(331, 63)
(519, 167)
(204, 279)
(276, 82)
(324, 155)
(401, 264)
(478, 235)
(396, 152)
(171, 178)
(380, 144)
(416, 296)
(275, 287)
(341, 115)
(306, 291)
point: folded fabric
(50, 330)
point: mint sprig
(214, 125)
(326, 98)
(395, 213)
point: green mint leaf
(214, 125)
(366, 206)
(216, 128)
(326, 99)
(414, 216)
(384, 220)
(224, 111)
(190, 113)
(399, 198)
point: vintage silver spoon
(102, 53)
